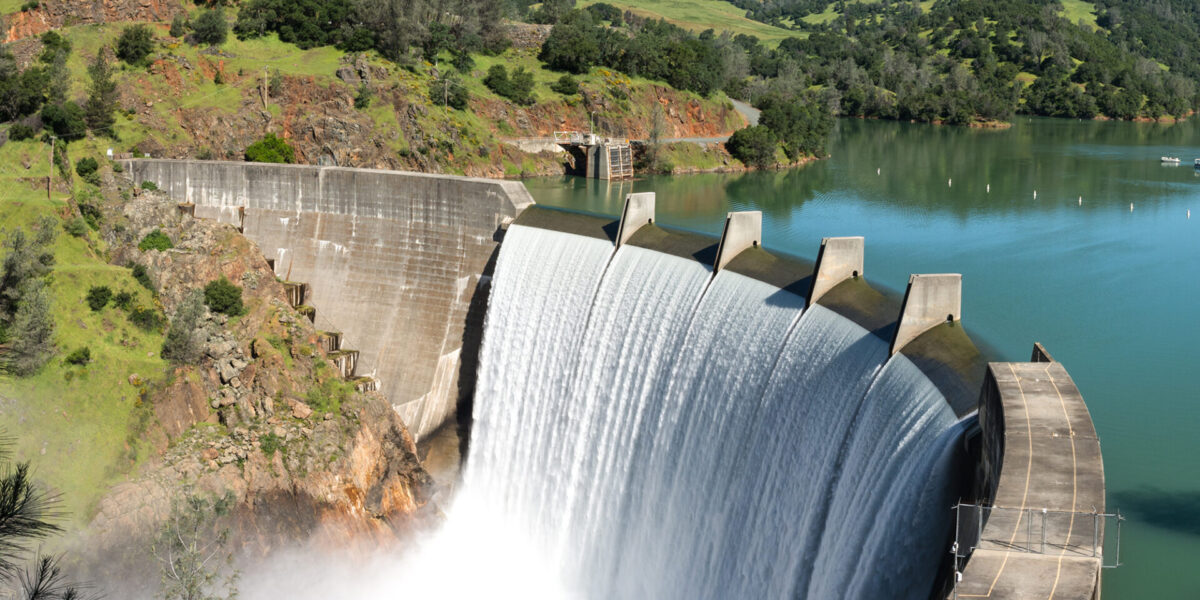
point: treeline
(965, 60)
(400, 30)
(26, 324)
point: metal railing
(1035, 531)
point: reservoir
(1068, 233)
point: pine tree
(102, 97)
(32, 331)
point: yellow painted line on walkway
(1025, 496)
(1074, 483)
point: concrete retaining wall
(392, 259)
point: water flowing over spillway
(657, 432)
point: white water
(644, 430)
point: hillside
(966, 61)
(191, 99)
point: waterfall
(648, 430)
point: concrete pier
(1041, 477)
(839, 259)
(392, 259)
(638, 212)
(743, 230)
(929, 301)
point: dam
(671, 415)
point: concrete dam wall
(392, 260)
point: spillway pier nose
(839, 259)
(638, 211)
(743, 230)
(929, 301)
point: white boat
(1170, 159)
(1198, 163)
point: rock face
(51, 14)
(240, 423)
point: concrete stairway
(344, 359)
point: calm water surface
(1114, 294)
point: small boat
(1171, 159)
(1198, 163)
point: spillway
(667, 433)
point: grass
(698, 15)
(79, 426)
(1077, 10)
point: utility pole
(50, 174)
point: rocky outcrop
(261, 418)
(52, 14)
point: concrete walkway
(1039, 537)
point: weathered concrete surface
(929, 301)
(743, 230)
(392, 259)
(839, 259)
(1040, 452)
(638, 212)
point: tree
(570, 47)
(185, 339)
(448, 90)
(753, 145)
(802, 124)
(66, 120)
(102, 97)
(518, 88)
(135, 44)
(31, 333)
(271, 149)
(193, 561)
(210, 27)
(566, 85)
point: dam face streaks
(663, 433)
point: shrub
(210, 27)
(142, 276)
(98, 297)
(155, 240)
(123, 300)
(182, 344)
(566, 85)
(753, 146)
(179, 26)
(81, 356)
(90, 213)
(149, 185)
(77, 227)
(222, 296)
(462, 61)
(363, 98)
(146, 319)
(328, 395)
(135, 44)
(275, 87)
(270, 444)
(20, 132)
(449, 91)
(31, 5)
(518, 87)
(86, 166)
(271, 149)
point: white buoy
(989, 188)
(1130, 207)
(949, 182)
(1035, 194)
(1189, 213)
(1081, 200)
(877, 171)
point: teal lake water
(1113, 293)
